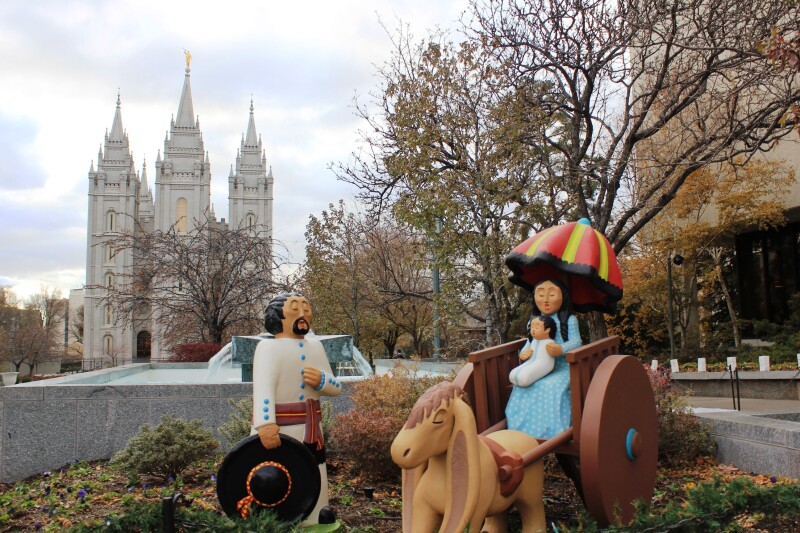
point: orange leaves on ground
(728, 469)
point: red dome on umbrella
(575, 253)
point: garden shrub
(381, 406)
(715, 505)
(238, 425)
(328, 419)
(194, 352)
(682, 437)
(167, 449)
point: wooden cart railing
(485, 379)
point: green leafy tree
(440, 153)
(368, 278)
(332, 278)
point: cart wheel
(618, 440)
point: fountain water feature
(346, 360)
(222, 357)
(362, 364)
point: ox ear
(411, 478)
(463, 471)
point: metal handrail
(736, 394)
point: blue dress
(542, 410)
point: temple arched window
(111, 221)
(181, 212)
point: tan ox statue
(451, 479)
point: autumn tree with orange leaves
(714, 205)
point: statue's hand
(554, 349)
(268, 435)
(312, 376)
(525, 354)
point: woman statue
(542, 409)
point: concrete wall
(45, 425)
(766, 442)
(775, 385)
(42, 428)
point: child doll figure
(536, 362)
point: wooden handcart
(610, 451)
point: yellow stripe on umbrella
(539, 240)
(602, 269)
(574, 241)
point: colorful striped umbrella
(575, 253)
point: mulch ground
(563, 506)
(87, 492)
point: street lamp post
(678, 260)
(437, 335)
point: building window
(109, 280)
(250, 223)
(108, 345)
(111, 221)
(181, 210)
(109, 255)
(768, 265)
(108, 315)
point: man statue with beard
(290, 373)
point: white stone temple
(121, 198)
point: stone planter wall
(774, 385)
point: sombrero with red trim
(284, 479)
(575, 253)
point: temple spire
(117, 133)
(251, 139)
(144, 188)
(185, 108)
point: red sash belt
(308, 413)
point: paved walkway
(748, 404)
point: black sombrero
(284, 479)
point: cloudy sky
(63, 61)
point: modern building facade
(122, 199)
(769, 270)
